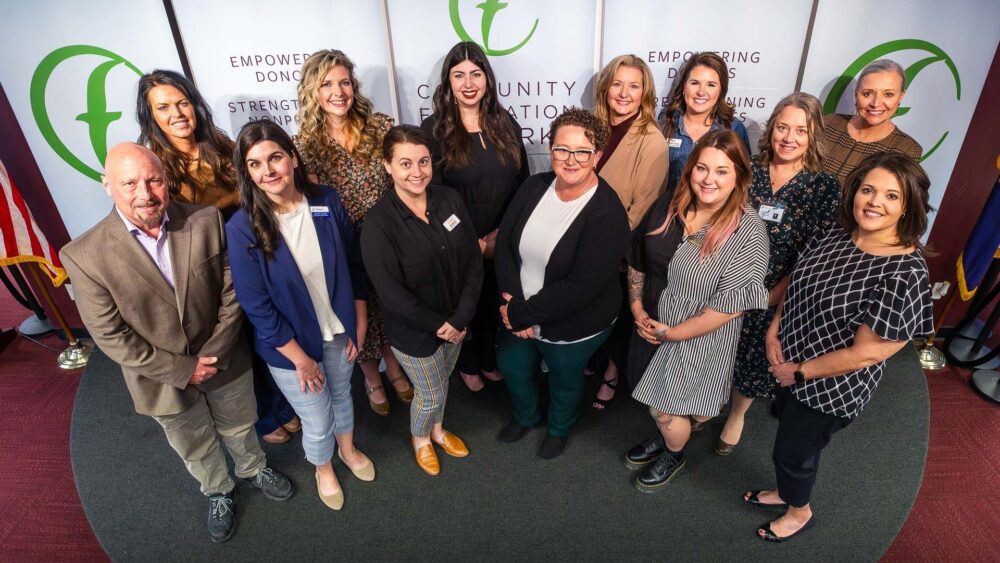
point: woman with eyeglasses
(557, 255)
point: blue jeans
(326, 414)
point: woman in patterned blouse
(340, 140)
(796, 202)
(858, 294)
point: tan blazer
(637, 170)
(154, 332)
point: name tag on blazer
(319, 210)
(451, 222)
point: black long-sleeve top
(581, 294)
(486, 184)
(425, 274)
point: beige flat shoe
(334, 501)
(365, 473)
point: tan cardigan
(637, 170)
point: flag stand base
(988, 383)
(930, 357)
(75, 357)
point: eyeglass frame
(573, 153)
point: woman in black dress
(477, 150)
(858, 294)
(796, 201)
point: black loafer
(221, 517)
(552, 446)
(657, 474)
(512, 432)
(642, 454)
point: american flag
(20, 238)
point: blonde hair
(647, 106)
(812, 161)
(361, 129)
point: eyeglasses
(580, 155)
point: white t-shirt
(546, 226)
(299, 232)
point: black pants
(479, 350)
(803, 432)
(615, 348)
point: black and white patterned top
(835, 288)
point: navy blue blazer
(273, 293)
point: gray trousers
(228, 412)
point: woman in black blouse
(858, 294)
(477, 150)
(796, 201)
(420, 250)
(557, 256)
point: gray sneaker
(221, 517)
(274, 485)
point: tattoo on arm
(636, 280)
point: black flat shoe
(512, 432)
(659, 473)
(750, 497)
(552, 446)
(770, 536)
(643, 454)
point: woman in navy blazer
(297, 272)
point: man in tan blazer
(153, 288)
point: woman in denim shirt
(697, 105)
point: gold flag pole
(78, 353)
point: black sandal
(613, 385)
(754, 500)
(770, 536)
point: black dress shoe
(512, 432)
(657, 474)
(552, 446)
(221, 517)
(641, 455)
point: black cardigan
(424, 273)
(581, 294)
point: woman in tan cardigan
(635, 165)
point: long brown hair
(812, 160)
(214, 146)
(725, 221)
(677, 106)
(913, 182)
(456, 146)
(361, 129)
(647, 105)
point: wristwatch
(799, 376)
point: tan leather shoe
(452, 445)
(427, 459)
(334, 501)
(381, 409)
(366, 472)
(279, 436)
(406, 393)
(293, 425)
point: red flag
(20, 238)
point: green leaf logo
(97, 117)
(490, 9)
(881, 51)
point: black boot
(642, 454)
(657, 474)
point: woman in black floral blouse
(796, 201)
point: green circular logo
(490, 9)
(97, 117)
(881, 51)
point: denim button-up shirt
(681, 146)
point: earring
(903, 216)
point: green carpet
(503, 502)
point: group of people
(657, 253)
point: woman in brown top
(176, 124)
(340, 140)
(850, 139)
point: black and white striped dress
(694, 377)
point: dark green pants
(518, 358)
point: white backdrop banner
(946, 66)
(70, 71)
(246, 56)
(761, 41)
(542, 54)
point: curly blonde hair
(647, 105)
(313, 134)
(812, 161)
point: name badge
(319, 210)
(771, 211)
(674, 143)
(451, 223)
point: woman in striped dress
(716, 273)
